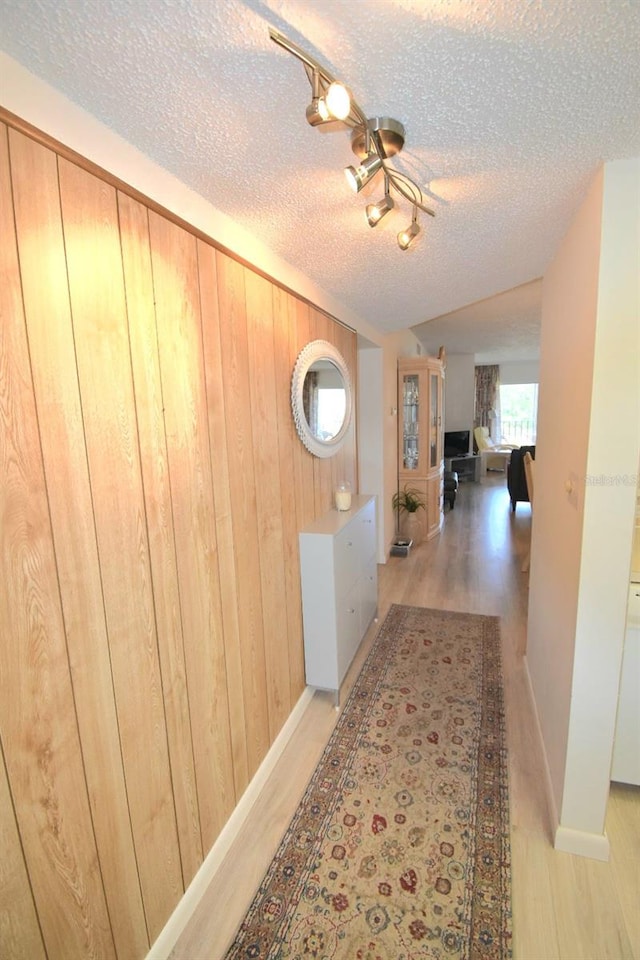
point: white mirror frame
(314, 351)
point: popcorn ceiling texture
(510, 106)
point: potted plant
(407, 502)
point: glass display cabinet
(420, 432)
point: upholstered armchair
(493, 456)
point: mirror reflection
(321, 399)
(324, 400)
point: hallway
(564, 907)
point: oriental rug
(399, 849)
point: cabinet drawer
(348, 622)
(346, 551)
(367, 530)
(368, 594)
(353, 546)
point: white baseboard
(552, 809)
(583, 844)
(594, 845)
(193, 894)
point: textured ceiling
(509, 107)
(500, 328)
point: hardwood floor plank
(534, 935)
(593, 924)
(623, 830)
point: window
(331, 412)
(519, 413)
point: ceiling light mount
(373, 140)
(388, 132)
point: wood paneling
(285, 345)
(20, 935)
(98, 306)
(51, 340)
(143, 339)
(303, 461)
(223, 502)
(242, 478)
(269, 503)
(175, 279)
(38, 724)
(152, 487)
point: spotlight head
(376, 211)
(338, 101)
(406, 237)
(317, 112)
(358, 176)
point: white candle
(343, 495)
(343, 499)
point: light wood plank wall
(151, 493)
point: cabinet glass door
(410, 421)
(434, 420)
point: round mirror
(321, 398)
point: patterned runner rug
(399, 848)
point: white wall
(581, 543)
(371, 416)
(459, 392)
(609, 505)
(520, 371)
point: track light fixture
(317, 112)
(376, 211)
(373, 140)
(406, 237)
(358, 176)
(332, 103)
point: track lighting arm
(319, 77)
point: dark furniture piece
(450, 487)
(516, 480)
(467, 467)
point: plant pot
(411, 527)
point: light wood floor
(564, 907)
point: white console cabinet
(339, 589)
